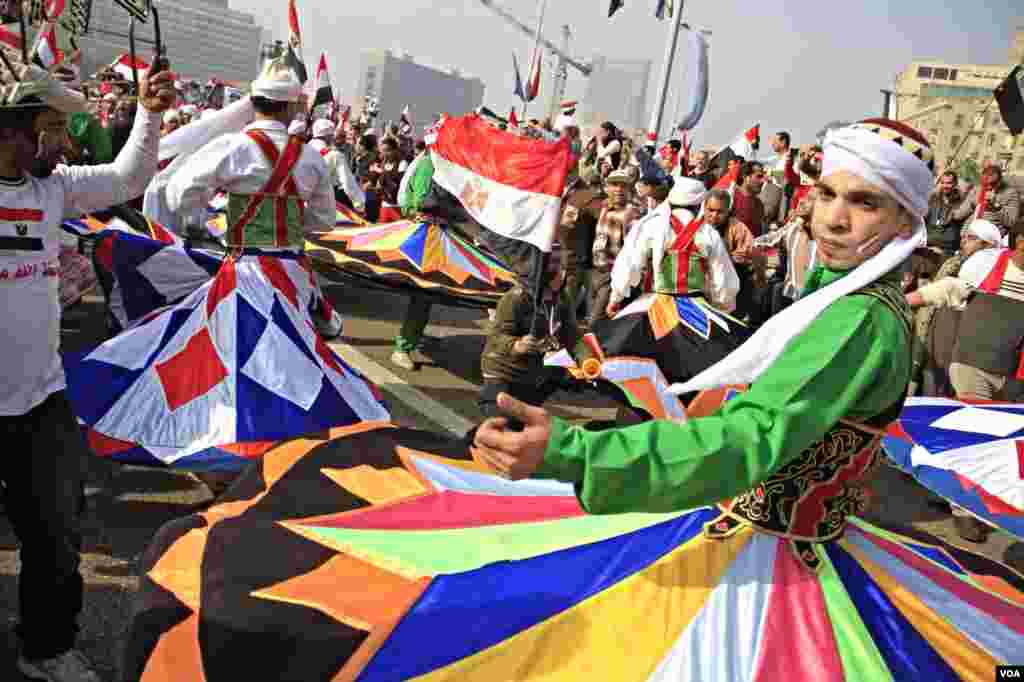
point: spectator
(739, 242)
(172, 121)
(994, 200)
(747, 206)
(581, 210)
(90, 141)
(617, 217)
(703, 171)
(943, 227)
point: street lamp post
(666, 70)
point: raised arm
(91, 188)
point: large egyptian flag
(322, 92)
(511, 185)
(46, 52)
(124, 66)
(1011, 101)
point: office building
(617, 92)
(953, 106)
(203, 39)
(399, 80)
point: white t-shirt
(31, 212)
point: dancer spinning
(781, 466)
(238, 364)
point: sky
(790, 65)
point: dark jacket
(512, 320)
(577, 238)
(943, 226)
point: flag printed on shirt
(510, 184)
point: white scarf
(880, 162)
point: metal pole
(666, 71)
(886, 103)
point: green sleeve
(419, 187)
(852, 361)
(89, 134)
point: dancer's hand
(513, 454)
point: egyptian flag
(511, 185)
(46, 53)
(406, 120)
(513, 121)
(323, 93)
(614, 7)
(294, 54)
(123, 65)
(1011, 101)
(746, 144)
(533, 85)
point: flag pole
(543, 6)
(666, 70)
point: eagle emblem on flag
(474, 197)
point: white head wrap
(297, 127)
(881, 158)
(277, 82)
(323, 128)
(171, 115)
(986, 232)
(565, 121)
(687, 192)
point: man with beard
(43, 475)
(993, 200)
(943, 227)
(747, 206)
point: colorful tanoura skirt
(378, 553)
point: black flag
(1011, 102)
(615, 7)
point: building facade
(617, 92)
(397, 81)
(953, 106)
(203, 39)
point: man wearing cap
(172, 121)
(43, 472)
(617, 217)
(242, 164)
(837, 359)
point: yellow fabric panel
(966, 658)
(376, 486)
(632, 625)
(178, 569)
(433, 251)
(176, 655)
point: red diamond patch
(191, 373)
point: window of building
(924, 72)
(954, 141)
(958, 122)
(1020, 163)
(991, 141)
(940, 74)
(952, 74)
(983, 95)
(995, 119)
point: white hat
(297, 127)
(565, 121)
(986, 231)
(172, 115)
(323, 128)
(277, 82)
(687, 192)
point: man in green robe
(836, 354)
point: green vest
(261, 231)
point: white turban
(883, 161)
(323, 128)
(879, 155)
(687, 192)
(297, 127)
(277, 82)
(171, 115)
(986, 232)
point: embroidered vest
(272, 217)
(682, 269)
(809, 500)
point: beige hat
(619, 176)
(277, 82)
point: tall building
(203, 39)
(397, 81)
(617, 92)
(953, 106)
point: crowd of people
(741, 237)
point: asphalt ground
(126, 505)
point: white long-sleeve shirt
(31, 212)
(235, 163)
(343, 177)
(650, 238)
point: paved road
(129, 504)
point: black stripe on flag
(21, 244)
(1011, 102)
